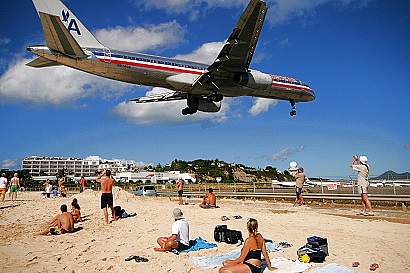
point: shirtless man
(64, 223)
(209, 200)
(15, 185)
(107, 198)
(180, 186)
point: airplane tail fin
(75, 28)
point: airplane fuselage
(150, 70)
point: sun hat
(363, 159)
(177, 214)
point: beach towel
(333, 268)
(216, 260)
(284, 265)
(197, 244)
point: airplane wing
(238, 50)
(164, 96)
(58, 38)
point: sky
(355, 55)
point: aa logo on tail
(72, 23)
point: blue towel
(197, 244)
(216, 260)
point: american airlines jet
(203, 86)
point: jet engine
(197, 103)
(254, 80)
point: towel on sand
(197, 244)
(332, 268)
(216, 260)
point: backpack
(315, 254)
(223, 234)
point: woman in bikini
(250, 260)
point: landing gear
(215, 97)
(189, 111)
(293, 104)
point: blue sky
(355, 54)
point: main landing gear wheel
(293, 104)
(215, 97)
(189, 111)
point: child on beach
(75, 211)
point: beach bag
(316, 241)
(225, 235)
(219, 233)
(309, 253)
(233, 236)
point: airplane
(203, 86)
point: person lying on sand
(60, 224)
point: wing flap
(157, 97)
(58, 38)
(41, 62)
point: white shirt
(3, 182)
(362, 175)
(180, 228)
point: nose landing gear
(293, 104)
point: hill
(391, 175)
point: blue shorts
(298, 191)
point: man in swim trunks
(63, 223)
(15, 185)
(209, 200)
(107, 199)
(3, 186)
(180, 186)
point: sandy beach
(97, 247)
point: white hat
(177, 214)
(363, 159)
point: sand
(97, 247)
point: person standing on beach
(3, 186)
(360, 165)
(179, 238)
(300, 180)
(82, 184)
(107, 199)
(15, 185)
(180, 186)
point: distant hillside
(394, 176)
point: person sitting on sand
(250, 258)
(60, 224)
(209, 200)
(180, 234)
(75, 211)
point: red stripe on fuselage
(150, 66)
(283, 85)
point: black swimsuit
(253, 254)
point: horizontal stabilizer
(58, 38)
(41, 62)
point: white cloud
(9, 163)
(152, 37)
(4, 41)
(285, 153)
(56, 85)
(261, 105)
(206, 53)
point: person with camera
(250, 260)
(300, 180)
(360, 165)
